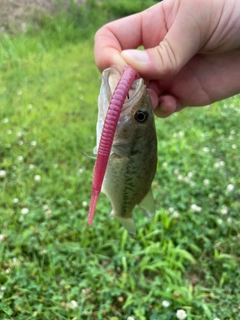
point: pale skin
(191, 53)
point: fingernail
(136, 55)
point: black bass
(132, 161)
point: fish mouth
(111, 77)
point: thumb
(180, 44)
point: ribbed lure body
(107, 135)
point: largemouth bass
(133, 157)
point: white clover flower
(55, 165)
(24, 211)
(192, 184)
(219, 221)
(232, 132)
(20, 158)
(5, 120)
(230, 187)
(2, 174)
(171, 209)
(15, 200)
(3, 288)
(195, 208)
(190, 174)
(230, 137)
(219, 164)
(84, 204)
(186, 179)
(130, 318)
(216, 319)
(45, 207)
(33, 143)
(31, 166)
(37, 177)
(206, 182)
(176, 171)
(73, 305)
(234, 146)
(224, 210)
(15, 262)
(165, 303)
(86, 291)
(19, 134)
(20, 142)
(80, 170)
(29, 106)
(2, 237)
(176, 214)
(8, 271)
(48, 212)
(179, 134)
(180, 177)
(229, 220)
(165, 164)
(9, 131)
(206, 149)
(181, 314)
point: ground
(16, 13)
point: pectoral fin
(148, 205)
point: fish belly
(128, 180)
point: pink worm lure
(109, 128)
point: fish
(132, 162)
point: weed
(52, 265)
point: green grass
(52, 265)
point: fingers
(165, 104)
(170, 32)
(154, 98)
(107, 50)
(182, 40)
(126, 33)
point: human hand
(191, 56)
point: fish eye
(141, 116)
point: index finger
(145, 28)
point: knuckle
(169, 64)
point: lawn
(52, 265)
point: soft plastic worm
(120, 93)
